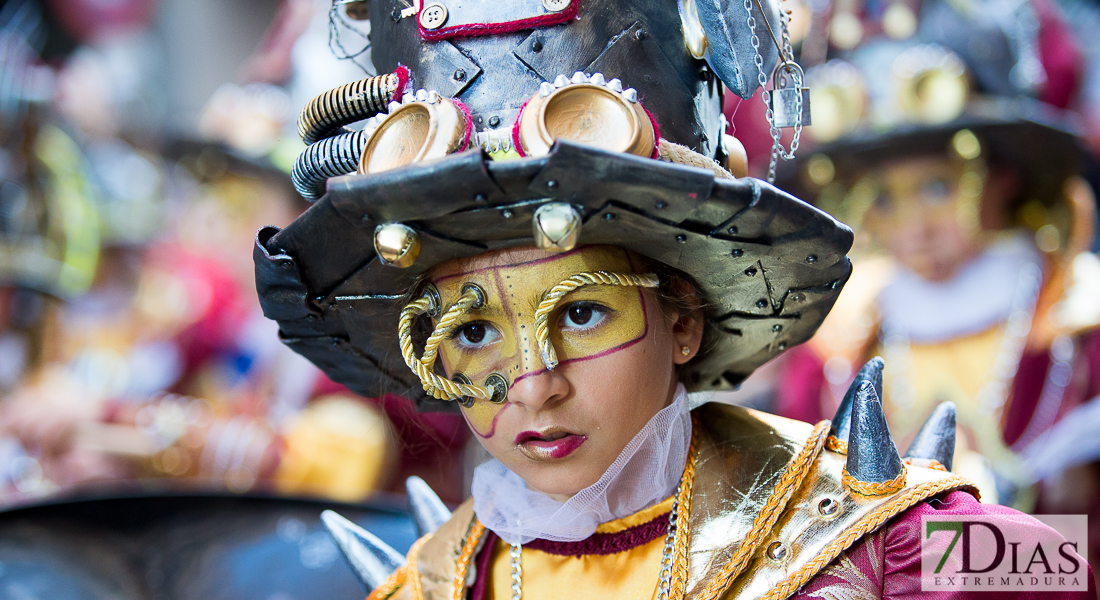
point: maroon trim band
(603, 544)
(480, 29)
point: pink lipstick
(549, 443)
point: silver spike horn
(372, 559)
(936, 438)
(842, 420)
(427, 509)
(872, 455)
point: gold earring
(685, 350)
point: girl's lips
(549, 444)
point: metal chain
(667, 557)
(517, 572)
(777, 144)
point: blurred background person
(950, 151)
(147, 362)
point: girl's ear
(687, 332)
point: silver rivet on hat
(561, 81)
(407, 98)
(397, 245)
(630, 94)
(433, 97)
(615, 85)
(557, 227)
(777, 551)
(598, 79)
(421, 95)
(579, 77)
(433, 16)
(545, 89)
(392, 106)
(828, 507)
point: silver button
(433, 16)
(556, 5)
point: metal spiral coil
(326, 114)
(330, 157)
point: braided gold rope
(446, 325)
(884, 513)
(411, 574)
(464, 558)
(792, 479)
(554, 295)
(390, 585)
(683, 155)
(678, 586)
(835, 444)
(874, 488)
(434, 385)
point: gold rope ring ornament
(435, 386)
(554, 295)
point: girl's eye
(473, 336)
(582, 316)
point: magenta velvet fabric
(887, 563)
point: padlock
(786, 111)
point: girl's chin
(561, 484)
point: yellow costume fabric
(629, 574)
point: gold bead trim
(554, 295)
(792, 479)
(874, 488)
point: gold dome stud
(557, 227)
(397, 245)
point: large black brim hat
(1034, 140)
(770, 265)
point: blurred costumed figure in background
(952, 156)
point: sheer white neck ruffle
(645, 473)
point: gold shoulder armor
(771, 507)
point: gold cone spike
(397, 245)
(557, 227)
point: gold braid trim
(407, 574)
(390, 585)
(792, 479)
(554, 295)
(835, 444)
(874, 488)
(434, 385)
(927, 463)
(678, 585)
(872, 522)
(462, 566)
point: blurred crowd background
(143, 142)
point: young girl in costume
(567, 299)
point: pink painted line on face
(623, 346)
(492, 426)
(537, 261)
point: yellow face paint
(590, 322)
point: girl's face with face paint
(617, 349)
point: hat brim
(1035, 140)
(770, 265)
